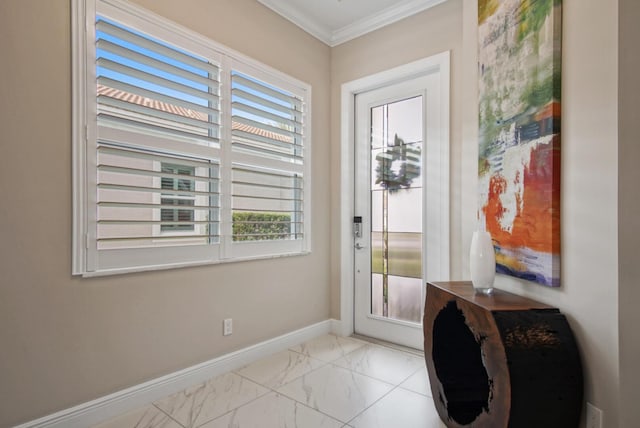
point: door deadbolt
(357, 227)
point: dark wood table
(500, 360)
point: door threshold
(391, 345)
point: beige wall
(589, 294)
(589, 264)
(65, 340)
(628, 207)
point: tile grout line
(372, 404)
(242, 405)
(271, 389)
(375, 378)
(332, 363)
(324, 363)
(168, 415)
(395, 387)
(268, 388)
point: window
(192, 153)
(177, 192)
(267, 171)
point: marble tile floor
(327, 382)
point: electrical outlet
(227, 327)
(594, 416)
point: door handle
(358, 246)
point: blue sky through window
(259, 106)
(139, 64)
(125, 78)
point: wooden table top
(498, 301)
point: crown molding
(380, 19)
(357, 28)
(317, 30)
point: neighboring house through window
(177, 192)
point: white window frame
(86, 259)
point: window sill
(137, 269)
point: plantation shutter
(268, 161)
(185, 152)
(143, 193)
(148, 86)
(157, 153)
(147, 196)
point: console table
(500, 360)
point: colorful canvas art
(519, 134)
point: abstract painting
(519, 69)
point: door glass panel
(405, 120)
(396, 209)
(405, 254)
(376, 210)
(376, 252)
(405, 298)
(405, 211)
(376, 294)
(377, 127)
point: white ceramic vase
(482, 262)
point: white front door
(398, 177)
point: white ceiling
(337, 21)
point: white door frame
(440, 64)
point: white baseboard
(107, 407)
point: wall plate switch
(227, 327)
(594, 416)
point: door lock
(357, 227)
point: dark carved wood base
(500, 360)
